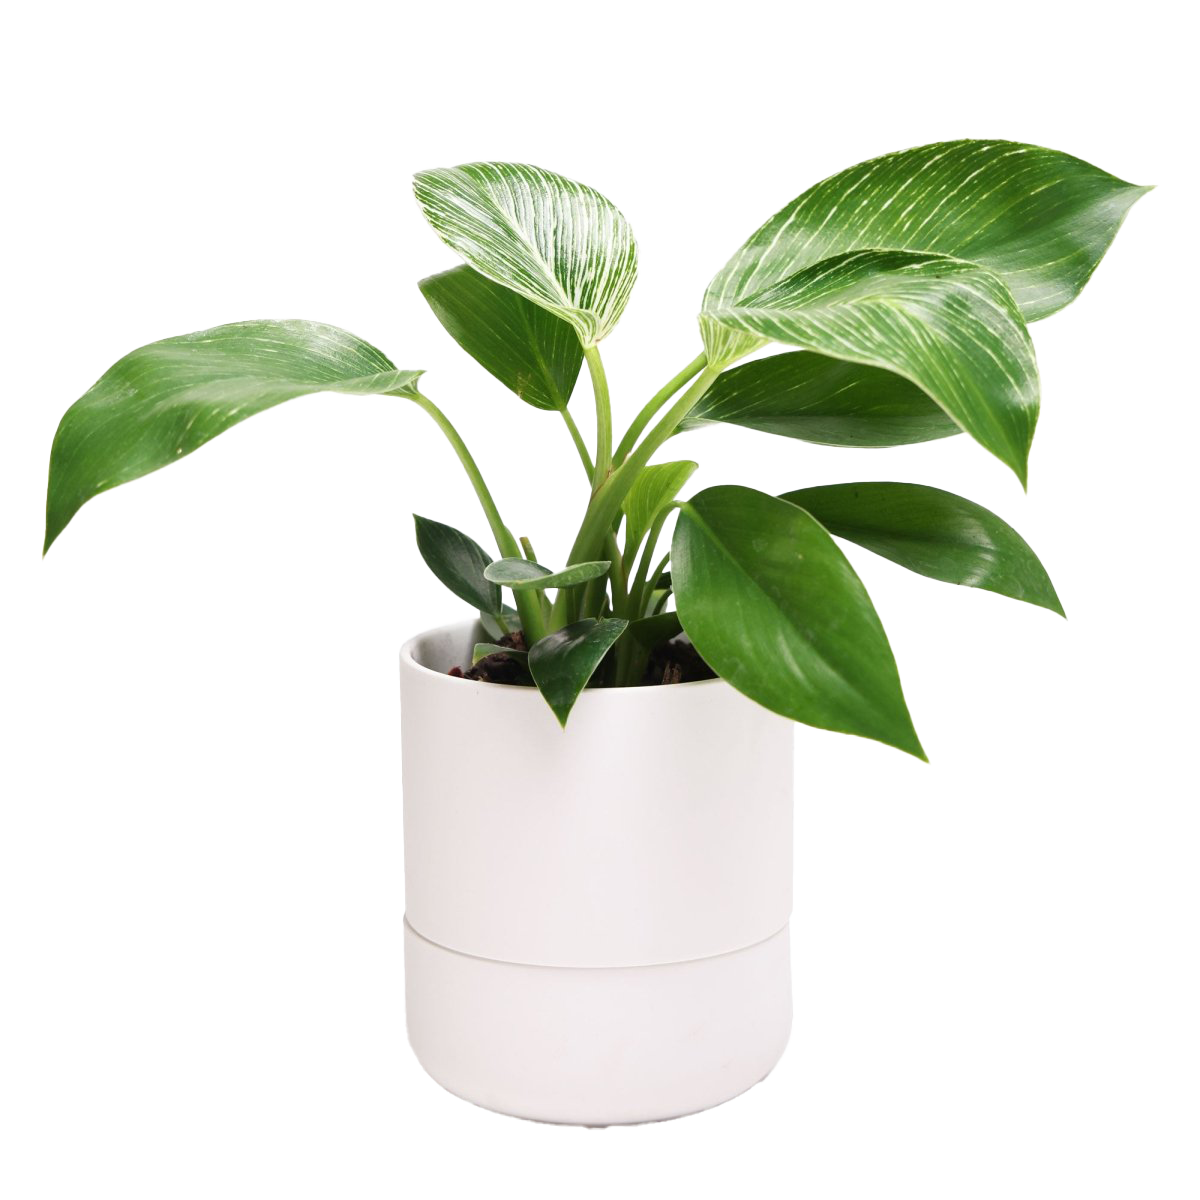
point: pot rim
(409, 659)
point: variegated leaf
(1039, 219)
(948, 326)
(552, 240)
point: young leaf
(550, 239)
(1039, 219)
(655, 487)
(934, 533)
(521, 575)
(561, 663)
(459, 562)
(491, 622)
(775, 609)
(486, 649)
(948, 326)
(818, 399)
(167, 399)
(527, 348)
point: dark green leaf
(652, 631)
(486, 649)
(459, 562)
(1039, 219)
(526, 347)
(819, 399)
(775, 609)
(948, 326)
(655, 487)
(934, 533)
(563, 662)
(521, 575)
(167, 399)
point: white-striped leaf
(165, 400)
(949, 326)
(552, 240)
(1039, 219)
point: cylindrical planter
(596, 927)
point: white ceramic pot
(597, 917)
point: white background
(200, 856)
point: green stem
(637, 588)
(606, 503)
(527, 603)
(654, 404)
(580, 444)
(603, 466)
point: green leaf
(167, 399)
(550, 239)
(561, 663)
(948, 326)
(527, 348)
(775, 609)
(934, 533)
(459, 562)
(491, 622)
(521, 575)
(1039, 219)
(818, 399)
(485, 649)
(655, 487)
(651, 631)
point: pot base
(598, 1045)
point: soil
(671, 662)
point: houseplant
(591, 953)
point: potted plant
(596, 944)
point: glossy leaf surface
(948, 326)
(820, 399)
(562, 662)
(520, 574)
(556, 242)
(1039, 219)
(459, 562)
(165, 400)
(934, 533)
(530, 350)
(656, 486)
(775, 609)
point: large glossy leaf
(167, 399)
(656, 486)
(1039, 219)
(562, 662)
(934, 533)
(521, 575)
(946, 325)
(775, 609)
(819, 399)
(459, 562)
(529, 349)
(552, 240)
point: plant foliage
(902, 289)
